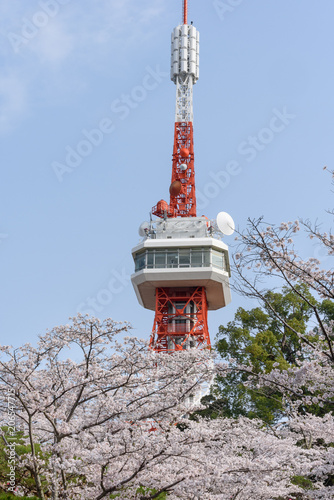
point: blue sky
(74, 71)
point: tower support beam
(183, 170)
(181, 319)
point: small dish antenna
(183, 167)
(225, 223)
(144, 228)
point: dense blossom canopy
(115, 422)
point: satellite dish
(225, 223)
(183, 167)
(143, 228)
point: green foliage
(10, 496)
(302, 482)
(151, 492)
(144, 493)
(259, 339)
(22, 475)
(327, 309)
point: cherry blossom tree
(267, 253)
(97, 409)
(112, 422)
(267, 258)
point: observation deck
(181, 253)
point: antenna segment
(185, 11)
(184, 73)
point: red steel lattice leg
(180, 319)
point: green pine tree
(259, 339)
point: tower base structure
(181, 319)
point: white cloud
(85, 23)
(53, 45)
(45, 48)
(120, 24)
(13, 101)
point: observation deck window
(218, 259)
(184, 257)
(180, 258)
(160, 259)
(140, 261)
(173, 259)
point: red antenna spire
(184, 73)
(185, 11)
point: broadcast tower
(181, 265)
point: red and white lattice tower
(181, 268)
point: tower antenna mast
(184, 73)
(185, 11)
(181, 270)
